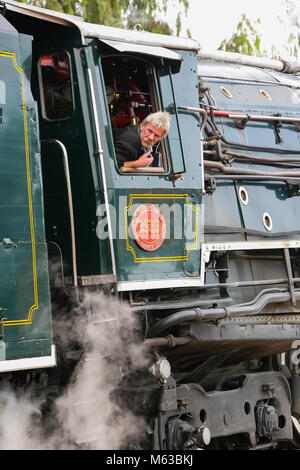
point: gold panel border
(35, 306)
(160, 258)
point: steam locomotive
(203, 249)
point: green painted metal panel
(180, 248)
(24, 285)
(263, 197)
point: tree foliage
(119, 13)
(245, 40)
(292, 45)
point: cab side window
(55, 86)
(131, 96)
(127, 91)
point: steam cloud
(85, 415)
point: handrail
(195, 110)
(70, 202)
(253, 117)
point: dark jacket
(128, 146)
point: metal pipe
(257, 147)
(248, 146)
(254, 117)
(70, 202)
(260, 62)
(168, 305)
(253, 307)
(289, 271)
(255, 178)
(174, 305)
(167, 341)
(229, 285)
(261, 160)
(195, 110)
(245, 146)
(245, 171)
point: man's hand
(145, 160)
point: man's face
(150, 135)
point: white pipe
(261, 62)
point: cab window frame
(42, 87)
(156, 102)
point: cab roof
(90, 30)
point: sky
(214, 20)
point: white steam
(16, 417)
(86, 416)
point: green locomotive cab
(202, 248)
(26, 339)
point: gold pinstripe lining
(26, 321)
(193, 246)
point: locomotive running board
(124, 286)
(28, 363)
(206, 249)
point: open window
(131, 95)
(55, 86)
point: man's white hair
(160, 119)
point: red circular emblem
(149, 227)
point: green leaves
(246, 39)
(118, 13)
